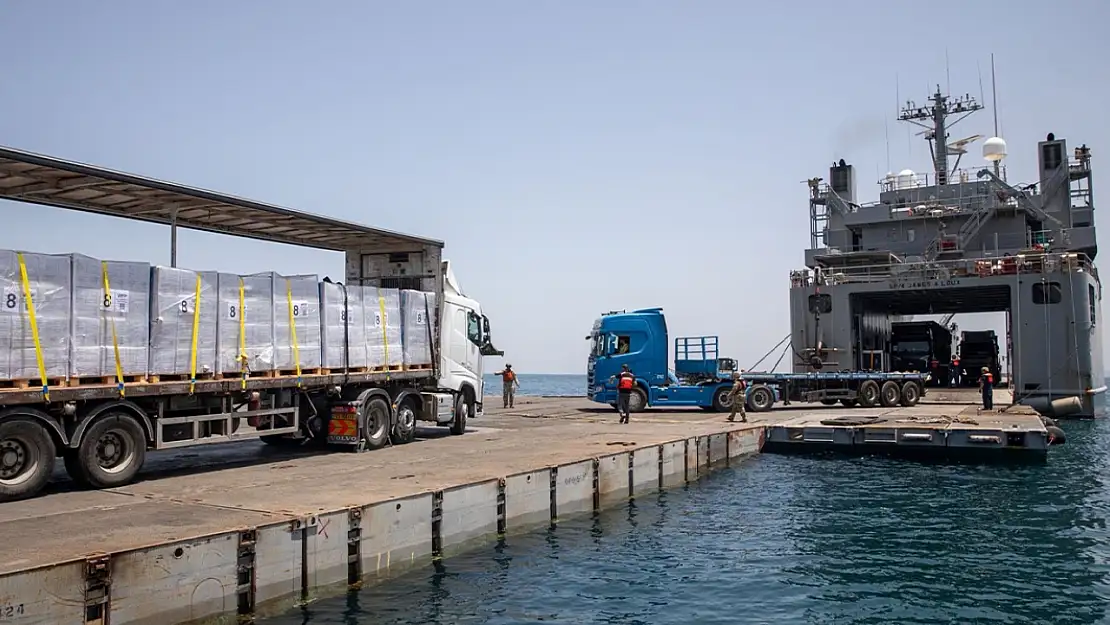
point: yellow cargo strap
(112, 322)
(34, 326)
(242, 336)
(385, 337)
(193, 347)
(293, 328)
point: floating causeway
(244, 529)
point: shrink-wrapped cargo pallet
(296, 298)
(383, 327)
(417, 307)
(174, 294)
(343, 327)
(245, 327)
(109, 297)
(50, 282)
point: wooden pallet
(388, 368)
(287, 373)
(427, 367)
(180, 377)
(23, 384)
(349, 370)
(104, 380)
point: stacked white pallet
(383, 332)
(244, 323)
(343, 336)
(179, 300)
(417, 307)
(110, 317)
(296, 305)
(50, 280)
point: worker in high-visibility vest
(626, 381)
(509, 385)
(986, 387)
(954, 372)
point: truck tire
(722, 401)
(375, 424)
(638, 401)
(760, 398)
(911, 394)
(869, 394)
(462, 411)
(890, 394)
(404, 430)
(110, 453)
(828, 402)
(26, 458)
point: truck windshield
(911, 347)
(599, 345)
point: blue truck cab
(639, 339)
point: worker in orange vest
(954, 372)
(986, 386)
(509, 385)
(626, 380)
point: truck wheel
(828, 402)
(462, 411)
(869, 394)
(722, 401)
(760, 399)
(111, 452)
(890, 394)
(26, 459)
(375, 425)
(404, 430)
(637, 402)
(911, 394)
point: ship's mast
(942, 106)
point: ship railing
(1026, 262)
(896, 182)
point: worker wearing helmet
(986, 387)
(739, 397)
(509, 385)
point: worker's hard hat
(624, 366)
(985, 369)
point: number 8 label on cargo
(116, 301)
(233, 310)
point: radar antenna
(938, 112)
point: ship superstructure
(958, 241)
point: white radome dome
(906, 179)
(994, 149)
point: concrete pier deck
(229, 529)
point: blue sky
(576, 157)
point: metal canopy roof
(38, 179)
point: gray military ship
(957, 241)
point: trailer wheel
(404, 430)
(375, 425)
(760, 399)
(637, 402)
(849, 403)
(462, 411)
(26, 458)
(890, 394)
(828, 402)
(869, 394)
(911, 394)
(722, 400)
(111, 452)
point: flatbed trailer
(866, 389)
(103, 429)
